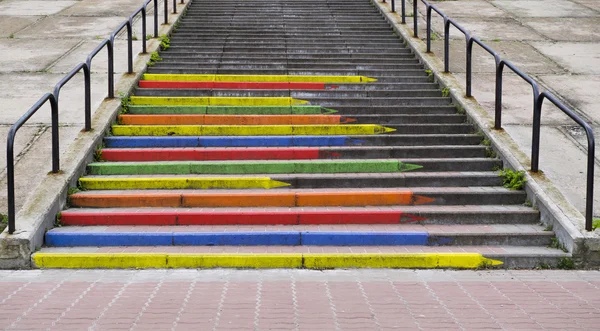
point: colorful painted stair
(296, 134)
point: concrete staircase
(293, 134)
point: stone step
(301, 235)
(354, 180)
(283, 65)
(278, 141)
(288, 153)
(297, 197)
(474, 215)
(318, 258)
(284, 59)
(298, 94)
(291, 58)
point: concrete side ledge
(555, 210)
(39, 212)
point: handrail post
(129, 47)
(403, 12)
(166, 11)
(87, 76)
(111, 69)
(498, 96)
(155, 18)
(393, 6)
(144, 51)
(428, 11)
(415, 20)
(469, 63)
(589, 199)
(446, 44)
(174, 6)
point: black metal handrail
(53, 97)
(88, 88)
(538, 98)
(109, 47)
(498, 103)
(535, 149)
(10, 141)
(469, 73)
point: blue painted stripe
(364, 238)
(283, 238)
(62, 239)
(228, 141)
(238, 239)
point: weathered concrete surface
(40, 41)
(554, 41)
(558, 191)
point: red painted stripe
(200, 154)
(233, 85)
(236, 218)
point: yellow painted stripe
(215, 101)
(247, 130)
(398, 260)
(259, 78)
(179, 183)
(164, 260)
(248, 260)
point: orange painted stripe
(280, 199)
(232, 119)
(234, 85)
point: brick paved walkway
(299, 300)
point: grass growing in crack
(445, 92)
(595, 223)
(543, 266)
(3, 222)
(11, 36)
(527, 203)
(154, 57)
(549, 228)
(134, 37)
(148, 37)
(165, 42)
(554, 243)
(566, 263)
(124, 103)
(490, 152)
(57, 221)
(429, 75)
(514, 180)
(486, 142)
(460, 110)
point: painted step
(231, 110)
(301, 235)
(168, 69)
(417, 257)
(298, 94)
(249, 167)
(293, 153)
(483, 214)
(287, 58)
(284, 141)
(252, 130)
(213, 129)
(294, 110)
(407, 179)
(138, 119)
(297, 197)
(293, 166)
(195, 119)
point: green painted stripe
(231, 110)
(249, 167)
